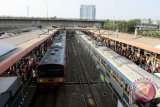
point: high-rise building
(88, 12)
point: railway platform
(24, 44)
(142, 50)
(17, 64)
(147, 43)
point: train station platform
(147, 43)
(24, 44)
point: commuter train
(51, 68)
(135, 86)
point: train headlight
(61, 80)
(40, 80)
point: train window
(94, 52)
(56, 49)
(116, 77)
(120, 81)
(126, 87)
(52, 53)
(51, 70)
(112, 72)
(107, 66)
(57, 45)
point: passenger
(143, 62)
(122, 83)
(138, 54)
(27, 72)
(24, 74)
(148, 59)
(17, 72)
(130, 57)
(11, 71)
(30, 62)
(159, 68)
(20, 70)
(149, 68)
(34, 74)
(146, 67)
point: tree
(122, 26)
(131, 25)
(108, 24)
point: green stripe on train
(102, 77)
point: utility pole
(27, 11)
(47, 7)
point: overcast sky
(105, 9)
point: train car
(135, 86)
(51, 68)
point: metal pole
(47, 7)
(27, 11)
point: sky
(105, 9)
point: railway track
(45, 97)
(81, 89)
(87, 90)
(24, 94)
(78, 92)
(104, 94)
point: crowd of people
(26, 66)
(145, 60)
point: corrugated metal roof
(6, 82)
(5, 48)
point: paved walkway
(22, 41)
(24, 37)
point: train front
(50, 74)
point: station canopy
(5, 47)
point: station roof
(24, 44)
(5, 47)
(147, 43)
(6, 82)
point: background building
(147, 24)
(88, 12)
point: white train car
(135, 86)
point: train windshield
(51, 70)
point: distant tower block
(88, 12)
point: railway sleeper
(92, 82)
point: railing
(150, 33)
(50, 18)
